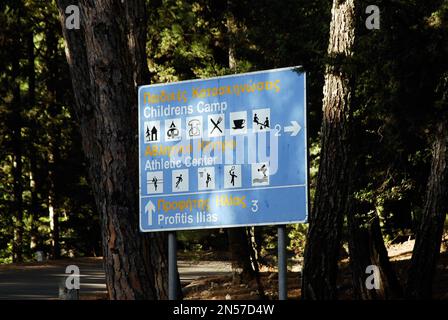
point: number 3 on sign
(254, 206)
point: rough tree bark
(33, 154)
(428, 239)
(53, 159)
(242, 270)
(365, 240)
(366, 246)
(17, 165)
(53, 153)
(332, 191)
(107, 61)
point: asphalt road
(42, 281)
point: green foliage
(398, 71)
(185, 40)
(400, 93)
(39, 132)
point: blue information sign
(223, 152)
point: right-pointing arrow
(149, 209)
(294, 128)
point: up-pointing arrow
(294, 129)
(149, 209)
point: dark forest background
(398, 102)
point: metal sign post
(172, 266)
(282, 267)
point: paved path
(42, 281)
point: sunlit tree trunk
(366, 246)
(52, 203)
(34, 206)
(17, 165)
(332, 191)
(54, 141)
(107, 61)
(365, 239)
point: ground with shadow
(221, 287)
(204, 275)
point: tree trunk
(428, 239)
(232, 30)
(52, 202)
(240, 253)
(332, 191)
(53, 154)
(17, 165)
(367, 247)
(107, 62)
(35, 208)
(366, 243)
